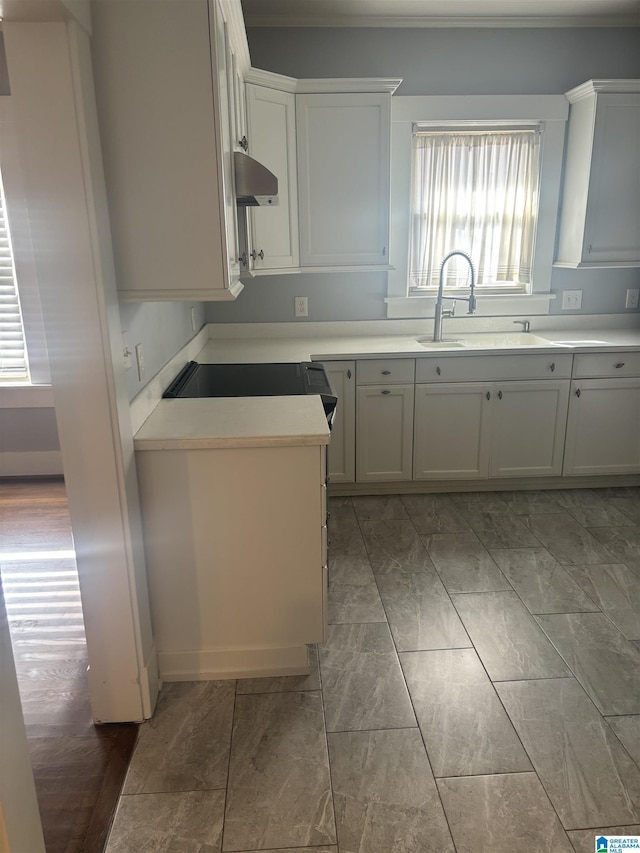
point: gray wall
(434, 62)
(162, 328)
(28, 429)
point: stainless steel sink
(482, 340)
(490, 340)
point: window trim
(549, 111)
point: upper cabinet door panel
(613, 222)
(225, 120)
(272, 135)
(165, 141)
(343, 176)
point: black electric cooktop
(253, 380)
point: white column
(56, 125)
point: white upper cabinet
(165, 117)
(601, 199)
(273, 231)
(343, 179)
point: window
(13, 353)
(474, 189)
(534, 124)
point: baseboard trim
(214, 664)
(32, 463)
(425, 487)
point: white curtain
(476, 191)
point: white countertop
(232, 350)
(279, 421)
(225, 422)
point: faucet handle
(450, 312)
(526, 324)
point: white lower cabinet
(477, 430)
(342, 450)
(528, 428)
(235, 542)
(486, 417)
(452, 431)
(384, 437)
(603, 428)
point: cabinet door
(612, 233)
(528, 431)
(162, 152)
(342, 449)
(603, 428)
(384, 436)
(452, 431)
(239, 122)
(272, 134)
(223, 76)
(601, 181)
(343, 177)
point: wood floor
(78, 767)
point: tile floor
(479, 691)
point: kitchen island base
(235, 542)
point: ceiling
(441, 13)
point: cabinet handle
(348, 374)
(384, 251)
(578, 392)
(386, 373)
(385, 391)
(244, 143)
(552, 366)
(620, 364)
(438, 371)
(243, 259)
(259, 254)
(499, 395)
(488, 395)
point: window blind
(474, 190)
(13, 354)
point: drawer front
(597, 365)
(493, 367)
(385, 371)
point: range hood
(255, 184)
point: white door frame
(56, 126)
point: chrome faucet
(526, 324)
(440, 311)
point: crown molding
(618, 87)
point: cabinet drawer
(493, 367)
(378, 371)
(603, 364)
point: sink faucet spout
(440, 311)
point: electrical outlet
(633, 296)
(194, 319)
(140, 361)
(301, 304)
(126, 353)
(571, 300)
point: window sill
(487, 306)
(26, 396)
